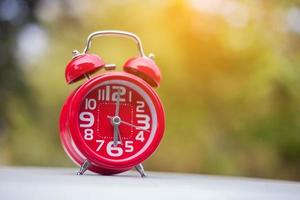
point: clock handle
(115, 33)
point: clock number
(140, 106)
(101, 95)
(140, 136)
(114, 151)
(143, 121)
(101, 142)
(107, 92)
(105, 95)
(86, 117)
(88, 134)
(90, 104)
(128, 146)
(115, 94)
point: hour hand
(128, 124)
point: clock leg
(140, 170)
(84, 167)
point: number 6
(114, 151)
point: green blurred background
(230, 88)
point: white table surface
(62, 183)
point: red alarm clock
(115, 120)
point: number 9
(86, 117)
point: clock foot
(140, 170)
(84, 167)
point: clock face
(122, 105)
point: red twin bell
(84, 64)
(113, 121)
